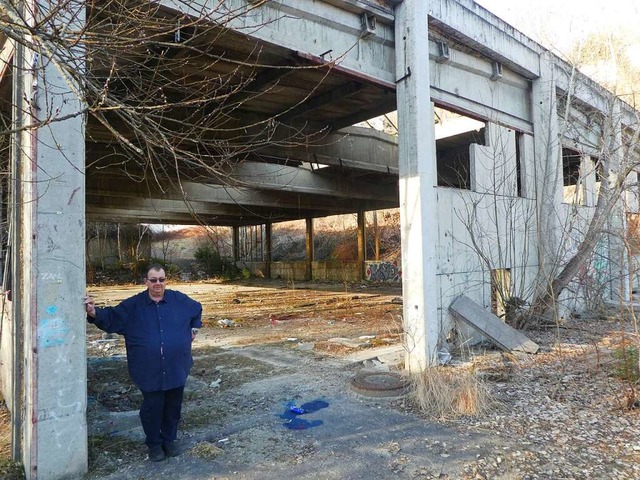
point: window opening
(519, 172)
(455, 133)
(572, 185)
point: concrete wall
(488, 227)
(388, 272)
(336, 271)
(491, 226)
(296, 271)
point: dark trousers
(160, 414)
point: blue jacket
(157, 336)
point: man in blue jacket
(158, 326)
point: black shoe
(172, 449)
(156, 454)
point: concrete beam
(503, 335)
(580, 88)
(476, 27)
(354, 148)
(466, 82)
(166, 206)
(292, 179)
(127, 215)
(264, 176)
(331, 28)
(190, 212)
(118, 186)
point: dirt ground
(273, 312)
(269, 345)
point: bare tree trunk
(607, 199)
(141, 233)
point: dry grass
(445, 392)
(5, 431)
(205, 450)
(9, 470)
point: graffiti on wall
(383, 272)
(53, 331)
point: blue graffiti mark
(52, 309)
(292, 412)
(383, 272)
(52, 332)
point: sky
(558, 24)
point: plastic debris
(226, 323)
(444, 357)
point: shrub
(209, 260)
(626, 366)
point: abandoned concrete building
(501, 153)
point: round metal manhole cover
(380, 384)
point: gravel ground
(564, 413)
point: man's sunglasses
(154, 280)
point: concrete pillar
(52, 257)
(418, 207)
(235, 244)
(548, 170)
(588, 176)
(309, 244)
(376, 236)
(619, 259)
(361, 243)
(268, 231)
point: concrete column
(619, 260)
(418, 207)
(547, 171)
(52, 259)
(588, 176)
(361, 243)
(268, 231)
(235, 244)
(309, 244)
(376, 235)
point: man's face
(156, 282)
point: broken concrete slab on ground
(503, 335)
